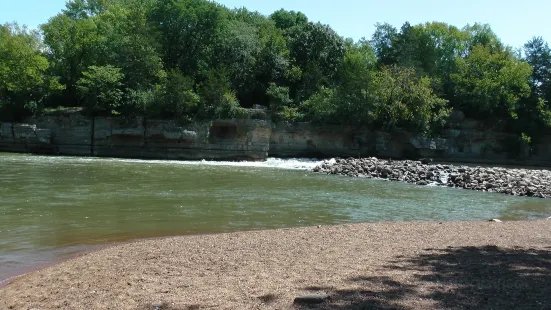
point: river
(54, 207)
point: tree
(255, 53)
(406, 101)
(354, 90)
(322, 106)
(288, 19)
(101, 88)
(177, 98)
(538, 55)
(217, 97)
(83, 9)
(413, 48)
(24, 82)
(72, 47)
(280, 103)
(383, 43)
(187, 32)
(393, 98)
(482, 34)
(128, 42)
(240, 48)
(318, 51)
(491, 83)
(448, 43)
(534, 115)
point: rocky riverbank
(518, 182)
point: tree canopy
(195, 59)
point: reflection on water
(52, 206)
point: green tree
(535, 111)
(218, 99)
(414, 48)
(491, 83)
(406, 101)
(482, 34)
(177, 98)
(355, 88)
(318, 51)
(187, 32)
(101, 88)
(128, 42)
(538, 55)
(24, 82)
(83, 9)
(72, 47)
(255, 53)
(288, 19)
(240, 48)
(383, 40)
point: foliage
(394, 98)
(525, 138)
(24, 82)
(196, 59)
(188, 31)
(71, 45)
(322, 106)
(317, 50)
(279, 97)
(217, 98)
(128, 42)
(176, 96)
(491, 82)
(406, 101)
(100, 88)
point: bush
(176, 98)
(100, 88)
(217, 98)
(321, 106)
(140, 102)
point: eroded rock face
(74, 134)
(518, 182)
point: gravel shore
(421, 265)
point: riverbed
(54, 207)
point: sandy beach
(424, 265)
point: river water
(53, 207)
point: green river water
(53, 207)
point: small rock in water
(311, 299)
(495, 221)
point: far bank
(463, 140)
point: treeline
(195, 59)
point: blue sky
(515, 22)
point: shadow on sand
(453, 278)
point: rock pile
(518, 182)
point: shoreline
(262, 263)
(507, 164)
